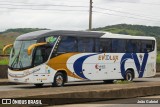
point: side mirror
(30, 48)
(6, 47)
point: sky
(74, 14)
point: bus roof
(44, 33)
(96, 34)
(122, 36)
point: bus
(62, 56)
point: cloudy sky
(73, 14)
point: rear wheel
(58, 80)
(129, 75)
(38, 85)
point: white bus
(58, 57)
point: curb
(99, 95)
(6, 82)
(89, 93)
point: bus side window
(118, 46)
(103, 45)
(85, 44)
(132, 46)
(67, 44)
(97, 45)
(147, 46)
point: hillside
(8, 36)
(136, 30)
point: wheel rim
(129, 77)
(59, 80)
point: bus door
(40, 57)
(39, 60)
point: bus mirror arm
(31, 47)
(6, 47)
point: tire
(129, 75)
(38, 85)
(108, 81)
(58, 80)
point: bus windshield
(19, 57)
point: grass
(158, 57)
(4, 61)
(122, 82)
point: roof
(44, 33)
(122, 36)
(97, 34)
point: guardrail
(4, 55)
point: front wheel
(129, 75)
(58, 80)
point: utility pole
(90, 15)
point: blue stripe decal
(78, 65)
(140, 68)
(143, 65)
(123, 61)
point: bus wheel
(129, 75)
(38, 85)
(108, 81)
(58, 80)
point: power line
(42, 5)
(52, 1)
(125, 16)
(71, 6)
(125, 12)
(132, 10)
(42, 9)
(141, 17)
(146, 3)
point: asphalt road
(72, 84)
(118, 103)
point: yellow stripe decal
(60, 63)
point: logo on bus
(140, 67)
(100, 67)
(108, 57)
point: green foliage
(22, 30)
(9, 36)
(122, 82)
(136, 30)
(158, 57)
(4, 61)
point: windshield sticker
(51, 39)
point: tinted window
(147, 46)
(68, 44)
(103, 45)
(118, 46)
(85, 44)
(132, 46)
(39, 56)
